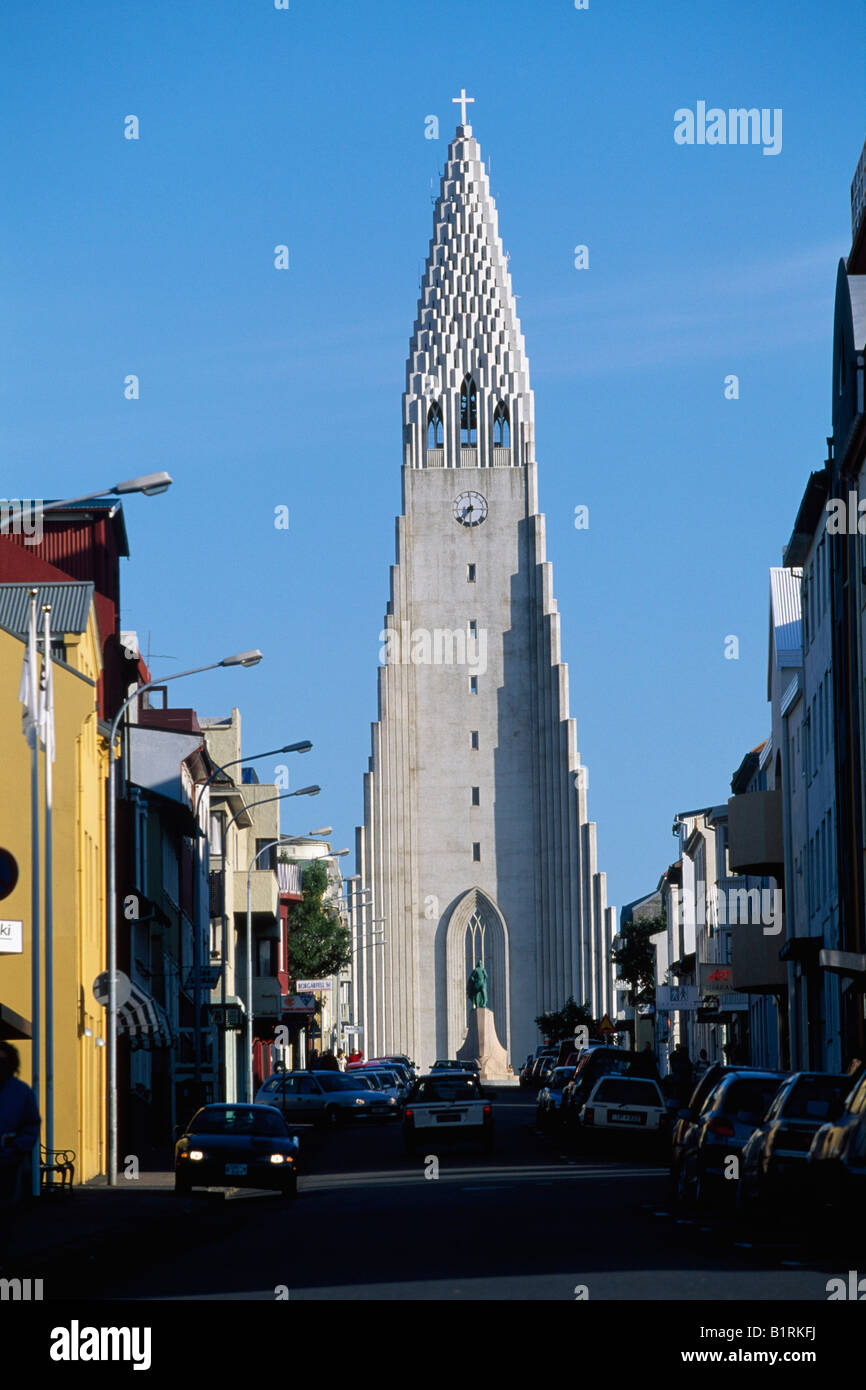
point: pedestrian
(341, 1059)
(644, 1063)
(315, 1061)
(702, 1064)
(682, 1072)
(328, 1062)
(19, 1135)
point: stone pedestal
(482, 1046)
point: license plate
(625, 1117)
(236, 1170)
(449, 1118)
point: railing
(435, 458)
(501, 457)
(468, 456)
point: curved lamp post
(251, 658)
(265, 801)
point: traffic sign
(11, 937)
(123, 988)
(606, 1026)
(8, 873)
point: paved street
(524, 1223)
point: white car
(447, 1105)
(624, 1104)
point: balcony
(468, 456)
(755, 833)
(755, 959)
(434, 458)
(501, 457)
(264, 894)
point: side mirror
(177, 1132)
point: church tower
(475, 843)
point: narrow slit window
(473, 685)
(474, 738)
(476, 852)
(476, 796)
(470, 574)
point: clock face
(470, 508)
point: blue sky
(260, 388)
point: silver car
(324, 1098)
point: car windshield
(447, 1088)
(560, 1077)
(817, 1098)
(385, 1078)
(338, 1081)
(748, 1098)
(239, 1120)
(623, 1090)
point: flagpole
(30, 712)
(46, 711)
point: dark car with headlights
(774, 1163)
(236, 1146)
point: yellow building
(79, 931)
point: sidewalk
(92, 1217)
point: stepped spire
(467, 402)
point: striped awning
(144, 1021)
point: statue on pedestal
(476, 989)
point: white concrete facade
(475, 838)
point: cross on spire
(462, 101)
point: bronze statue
(476, 989)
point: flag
(27, 690)
(46, 691)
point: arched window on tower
(501, 427)
(435, 431)
(468, 412)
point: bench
(60, 1161)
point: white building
(475, 842)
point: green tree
(635, 957)
(319, 944)
(558, 1024)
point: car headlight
(360, 1101)
(196, 1155)
(391, 1100)
(278, 1158)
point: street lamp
(149, 485)
(251, 658)
(304, 791)
(304, 746)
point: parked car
(595, 1060)
(682, 1121)
(387, 1081)
(543, 1069)
(619, 1105)
(730, 1113)
(774, 1166)
(523, 1076)
(396, 1067)
(236, 1146)
(326, 1098)
(547, 1109)
(837, 1160)
(447, 1105)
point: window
(468, 412)
(473, 627)
(470, 574)
(501, 427)
(476, 796)
(473, 685)
(266, 854)
(435, 431)
(476, 852)
(474, 738)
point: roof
(70, 606)
(109, 505)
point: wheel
(290, 1188)
(332, 1117)
(182, 1186)
(487, 1142)
(683, 1187)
